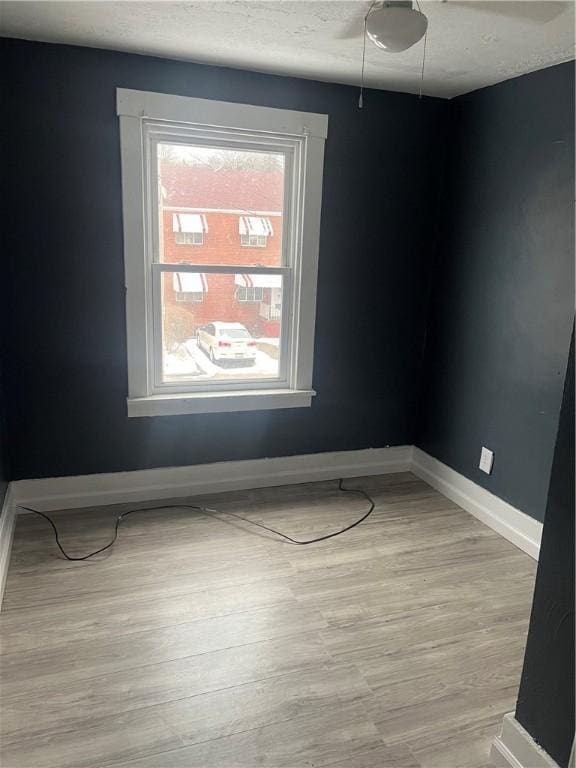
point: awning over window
(258, 281)
(189, 222)
(189, 282)
(255, 225)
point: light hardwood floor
(202, 643)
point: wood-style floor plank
(198, 641)
(58, 665)
(316, 740)
(66, 706)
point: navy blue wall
(67, 383)
(502, 301)
(546, 698)
(5, 473)
(4, 467)
(501, 308)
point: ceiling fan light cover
(396, 29)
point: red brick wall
(221, 246)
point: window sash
(286, 340)
(225, 138)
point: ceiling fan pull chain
(423, 53)
(361, 97)
(423, 64)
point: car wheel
(212, 358)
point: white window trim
(140, 112)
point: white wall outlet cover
(486, 460)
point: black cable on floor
(211, 512)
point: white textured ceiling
(471, 43)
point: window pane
(226, 329)
(220, 206)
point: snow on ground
(190, 361)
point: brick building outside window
(201, 224)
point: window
(189, 238)
(192, 297)
(254, 231)
(253, 241)
(249, 294)
(189, 287)
(189, 228)
(231, 328)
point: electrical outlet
(486, 460)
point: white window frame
(146, 118)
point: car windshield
(235, 333)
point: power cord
(212, 513)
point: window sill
(219, 402)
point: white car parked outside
(227, 341)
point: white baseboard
(7, 522)
(516, 526)
(515, 748)
(176, 482)
(171, 482)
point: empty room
(287, 384)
